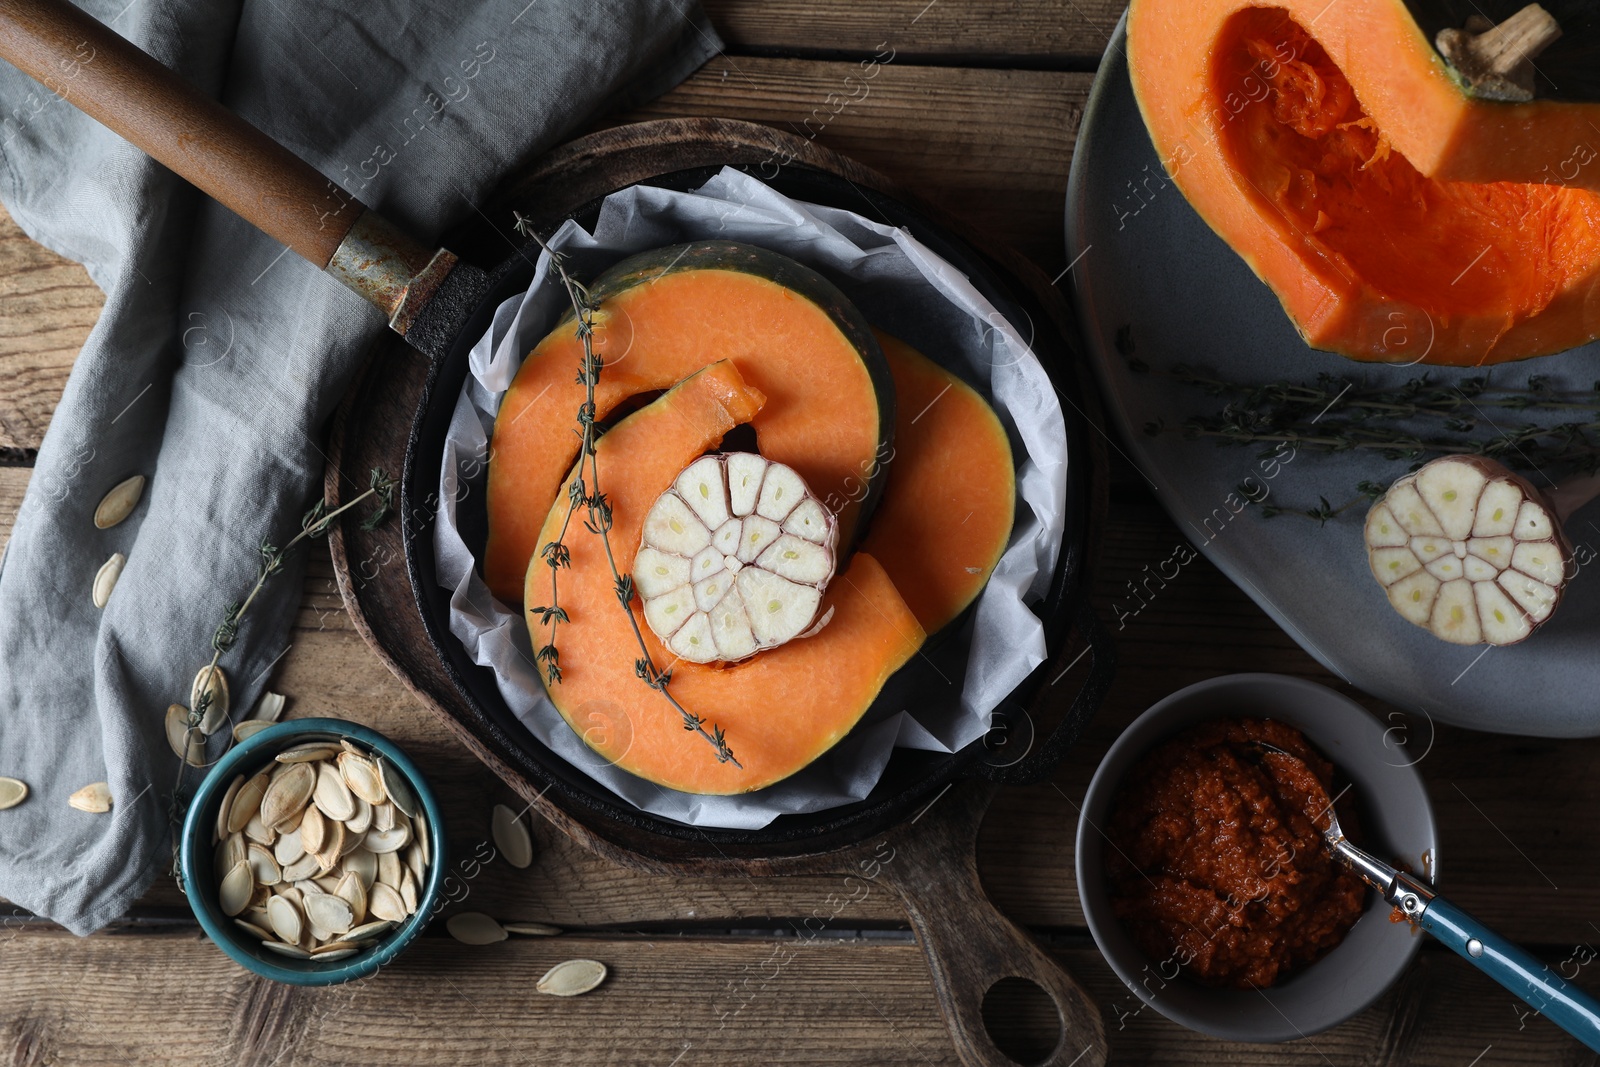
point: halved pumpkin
(779, 710)
(951, 497)
(1396, 217)
(663, 315)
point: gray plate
(1145, 260)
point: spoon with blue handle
(1552, 996)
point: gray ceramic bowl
(198, 855)
(1397, 824)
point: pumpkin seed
(360, 774)
(353, 893)
(572, 978)
(269, 708)
(327, 953)
(310, 752)
(361, 822)
(330, 913)
(237, 887)
(313, 830)
(259, 832)
(532, 929)
(220, 831)
(381, 841)
(94, 798)
(511, 837)
(364, 865)
(288, 848)
(187, 742)
(414, 861)
(287, 795)
(263, 867)
(233, 851)
(397, 789)
(252, 929)
(213, 680)
(408, 893)
(420, 832)
(105, 579)
(244, 731)
(293, 951)
(332, 795)
(474, 928)
(246, 803)
(333, 846)
(389, 869)
(385, 816)
(13, 791)
(301, 868)
(384, 902)
(119, 503)
(369, 930)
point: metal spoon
(1556, 999)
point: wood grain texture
(172, 999)
(47, 307)
(994, 32)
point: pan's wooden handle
(969, 945)
(90, 66)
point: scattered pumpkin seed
(511, 837)
(13, 791)
(532, 929)
(475, 928)
(186, 742)
(244, 731)
(119, 503)
(269, 708)
(94, 798)
(213, 680)
(105, 579)
(572, 978)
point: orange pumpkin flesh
(1293, 147)
(780, 710)
(947, 511)
(822, 415)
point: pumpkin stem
(1497, 61)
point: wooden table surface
(977, 111)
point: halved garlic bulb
(1469, 551)
(734, 558)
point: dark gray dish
(1397, 824)
(1146, 261)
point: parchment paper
(942, 700)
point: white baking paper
(942, 700)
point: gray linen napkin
(218, 359)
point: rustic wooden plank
(988, 32)
(992, 147)
(47, 307)
(173, 999)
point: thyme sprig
(584, 490)
(1411, 422)
(315, 523)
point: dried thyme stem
(599, 518)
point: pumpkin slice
(663, 315)
(734, 559)
(947, 511)
(781, 709)
(1396, 217)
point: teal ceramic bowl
(198, 854)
